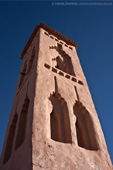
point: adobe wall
(21, 148)
(61, 129)
(51, 82)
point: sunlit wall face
(88, 25)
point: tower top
(53, 122)
(51, 31)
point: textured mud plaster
(53, 123)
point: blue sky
(91, 26)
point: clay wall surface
(55, 147)
(17, 149)
(53, 123)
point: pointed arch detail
(84, 128)
(59, 120)
(22, 124)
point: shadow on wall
(84, 128)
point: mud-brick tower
(53, 123)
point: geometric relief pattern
(66, 61)
(63, 61)
(61, 73)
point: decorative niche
(22, 124)
(84, 128)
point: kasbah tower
(53, 123)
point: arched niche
(10, 139)
(66, 63)
(21, 132)
(84, 128)
(59, 120)
(30, 64)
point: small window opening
(46, 33)
(51, 37)
(66, 45)
(56, 39)
(74, 79)
(71, 48)
(61, 42)
(47, 66)
(54, 70)
(61, 73)
(80, 82)
(67, 76)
